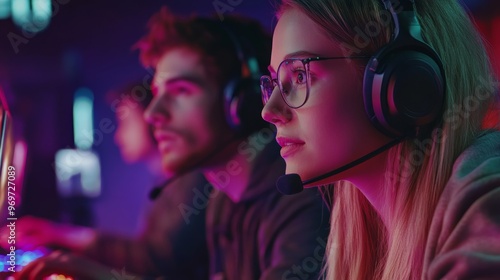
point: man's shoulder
(282, 210)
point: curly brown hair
(208, 36)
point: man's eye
(182, 90)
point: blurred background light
(83, 118)
(78, 173)
(32, 16)
(4, 9)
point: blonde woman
(417, 192)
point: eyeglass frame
(305, 62)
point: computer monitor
(7, 169)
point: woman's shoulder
(479, 160)
(464, 237)
(476, 171)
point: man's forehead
(179, 56)
(178, 62)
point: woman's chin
(292, 169)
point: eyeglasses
(293, 80)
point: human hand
(33, 232)
(70, 265)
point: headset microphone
(290, 184)
(293, 184)
(156, 191)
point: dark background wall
(88, 43)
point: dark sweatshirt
(267, 235)
(464, 240)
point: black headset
(241, 94)
(242, 97)
(404, 83)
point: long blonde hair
(361, 246)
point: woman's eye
(300, 77)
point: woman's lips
(289, 146)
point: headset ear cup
(231, 104)
(243, 105)
(403, 92)
(250, 106)
(404, 82)
(372, 88)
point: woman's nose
(275, 110)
